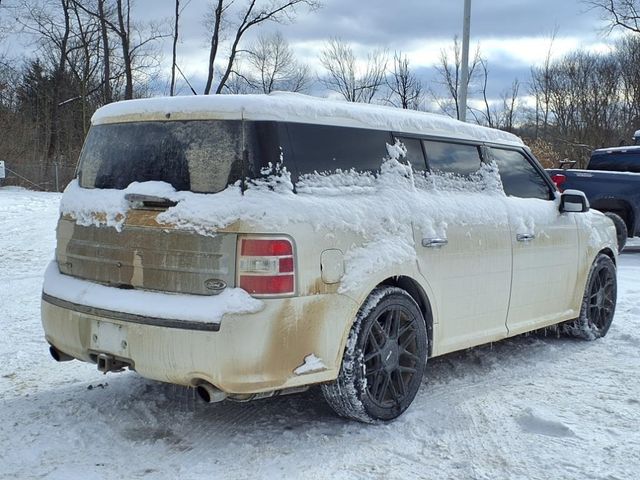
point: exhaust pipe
(59, 356)
(209, 393)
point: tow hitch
(108, 363)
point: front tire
(598, 302)
(384, 359)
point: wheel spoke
(392, 389)
(402, 389)
(384, 387)
(376, 384)
(376, 347)
(388, 326)
(408, 339)
(395, 327)
(374, 371)
(405, 369)
(380, 330)
(404, 351)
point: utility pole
(464, 71)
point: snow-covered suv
(249, 246)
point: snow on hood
(294, 107)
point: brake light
(559, 180)
(266, 266)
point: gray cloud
(406, 24)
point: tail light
(559, 179)
(266, 266)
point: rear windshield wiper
(148, 202)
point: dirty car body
(160, 267)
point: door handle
(434, 242)
(525, 237)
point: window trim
(533, 161)
(395, 136)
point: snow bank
(206, 309)
(299, 108)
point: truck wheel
(621, 229)
(384, 359)
(598, 303)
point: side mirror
(573, 201)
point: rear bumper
(243, 354)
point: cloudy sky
(513, 34)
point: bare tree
(510, 106)
(623, 14)
(628, 56)
(405, 87)
(251, 14)
(355, 81)
(83, 59)
(273, 66)
(50, 22)
(106, 54)
(449, 72)
(540, 89)
(496, 113)
(137, 55)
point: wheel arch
(415, 290)
(609, 253)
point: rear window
(616, 162)
(198, 155)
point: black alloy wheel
(384, 361)
(391, 356)
(598, 303)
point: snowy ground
(529, 407)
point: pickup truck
(611, 182)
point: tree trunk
(58, 79)
(107, 95)
(215, 41)
(126, 53)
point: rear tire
(384, 359)
(621, 229)
(598, 303)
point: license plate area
(111, 338)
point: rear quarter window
(455, 158)
(324, 148)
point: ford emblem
(215, 285)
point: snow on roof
(627, 148)
(293, 107)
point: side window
(415, 155)
(324, 148)
(452, 157)
(616, 162)
(519, 176)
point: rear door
(466, 263)
(544, 243)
